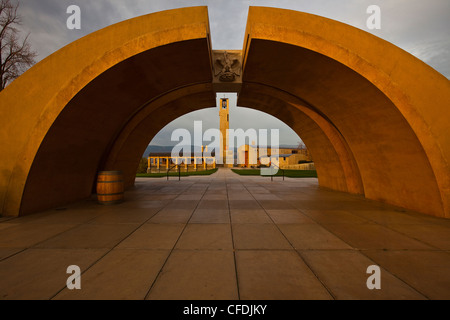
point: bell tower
(224, 114)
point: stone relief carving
(227, 67)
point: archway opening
(362, 117)
(250, 129)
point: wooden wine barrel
(110, 187)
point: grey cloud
(228, 20)
(406, 23)
(433, 52)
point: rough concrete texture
(107, 94)
(154, 246)
(373, 122)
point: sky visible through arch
(417, 26)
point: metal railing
(282, 170)
(187, 170)
(179, 171)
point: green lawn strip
(175, 173)
(287, 173)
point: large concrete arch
(373, 116)
(334, 160)
(388, 108)
(76, 103)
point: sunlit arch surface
(388, 107)
(374, 117)
(79, 105)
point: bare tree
(301, 146)
(16, 54)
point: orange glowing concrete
(374, 117)
(388, 108)
(61, 119)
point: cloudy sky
(417, 26)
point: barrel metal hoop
(111, 202)
(109, 173)
(109, 194)
(100, 181)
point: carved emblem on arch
(227, 67)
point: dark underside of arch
(79, 141)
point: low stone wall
(302, 166)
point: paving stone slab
(206, 237)
(426, 271)
(344, 273)
(41, 273)
(258, 236)
(276, 275)
(197, 275)
(123, 274)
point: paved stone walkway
(226, 237)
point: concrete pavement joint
(110, 250)
(362, 252)
(174, 245)
(304, 261)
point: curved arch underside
(379, 138)
(80, 141)
(373, 116)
